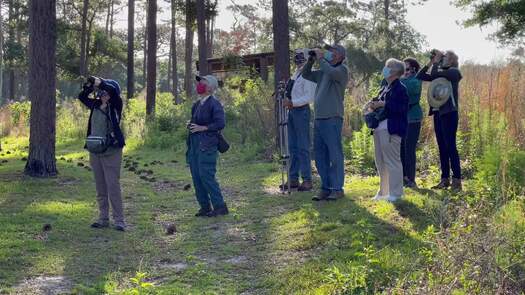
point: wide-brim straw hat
(439, 92)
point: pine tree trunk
(131, 48)
(41, 161)
(145, 53)
(281, 45)
(201, 29)
(152, 59)
(1, 58)
(11, 36)
(88, 43)
(209, 37)
(173, 45)
(169, 68)
(83, 39)
(188, 81)
(281, 40)
(17, 73)
(106, 31)
(111, 19)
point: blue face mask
(386, 72)
(328, 56)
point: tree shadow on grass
(70, 248)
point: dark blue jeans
(203, 168)
(446, 127)
(408, 150)
(299, 143)
(329, 158)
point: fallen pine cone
(171, 229)
(187, 187)
(46, 227)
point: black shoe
(293, 184)
(336, 195)
(443, 184)
(306, 186)
(411, 184)
(456, 185)
(322, 195)
(100, 224)
(202, 212)
(219, 211)
(119, 228)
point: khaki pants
(388, 163)
(107, 179)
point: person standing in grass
(300, 93)
(390, 131)
(207, 121)
(105, 142)
(331, 79)
(415, 116)
(446, 118)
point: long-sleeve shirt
(451, 74)
(331, 84)
(413, 85)
(114, 108)
(303, 91)
(210, 114)
(396, 107)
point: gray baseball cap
(212, 81)
(338, 48)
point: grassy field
(269, 244)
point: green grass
(269, 244)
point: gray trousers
(388, 163)
(107, 179)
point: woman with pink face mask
(207, 120)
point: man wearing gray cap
(331, 79)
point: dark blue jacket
(396, 107)
(210, 114)
(453, 75)
(114, 107)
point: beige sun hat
(439, 92)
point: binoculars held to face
(435, 52)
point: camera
(312, 53)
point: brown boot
(293, 184)
(306, 186)
(443, 184)
(334, 196)
(456, 185)
(322, 195)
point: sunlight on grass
(60, 208)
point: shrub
(361, 152)
(500, 175)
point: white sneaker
(379, 198)
(393, 199)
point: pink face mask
(201, 88)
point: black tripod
(282, 129)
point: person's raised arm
(451, 74)
(308, 73)
(339, 73)
(83, 96)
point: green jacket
(330, 92)
(413, 85)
